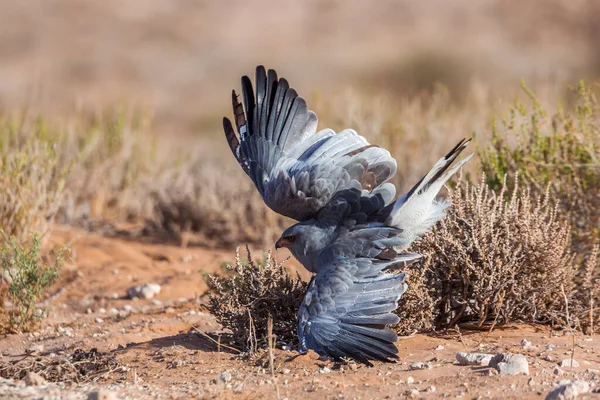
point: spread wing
(296, 169)
(348, 306)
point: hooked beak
(282, 242)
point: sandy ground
(165, 351)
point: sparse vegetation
(493, 260)
(25, 278)
(559, 150)
(79, 366)
(32, 182)
(243, 301)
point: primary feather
(350, 231)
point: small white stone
(99, 320)
(525, 343)
(146, 291)
(510, 364)
(568, 363)
(569, 390)
(102, 394)
(473, 358)
(410, 380)
(225, 376)
(420, 365)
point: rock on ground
(510, 364)
(568, 363)
(569, 391)
(33, 379)
(102, 394)
(473, 358)
(146, 291)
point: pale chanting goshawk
(351, 231)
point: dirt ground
(168, 347)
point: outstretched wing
(351, 299)
(348, 306)
(296, 170)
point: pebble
(128, 308)
(440, 347)
(146, 291)
(420, 365)
(33, 379)
(431, 389)
(35, 349)
(525, 343)
(569, 390)
(410, 380)
(225, 376)
(412, 392)
(510, 364)
(473, 358)
(324, 370)
(114, 311)
(568, 363)
(558, 371)
(99, 320)
(101, 310)
(102, 394)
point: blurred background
(181, 58)
(107, 85)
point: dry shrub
(417, 307)
(495, 260)
(32, 180)
(92, 166)
(214, 203)
(113, 156)
(243, 301)
(80, 366)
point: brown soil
(171, 349)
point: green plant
(25, 278)
(559, 150)
(244, 301)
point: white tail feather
(418, 210)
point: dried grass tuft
(251, 295)
(494, 261)
(80, 366)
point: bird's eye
(291, 238)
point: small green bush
(25, 278)
(560, 150)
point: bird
(350, 230)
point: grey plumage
(350, 231)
